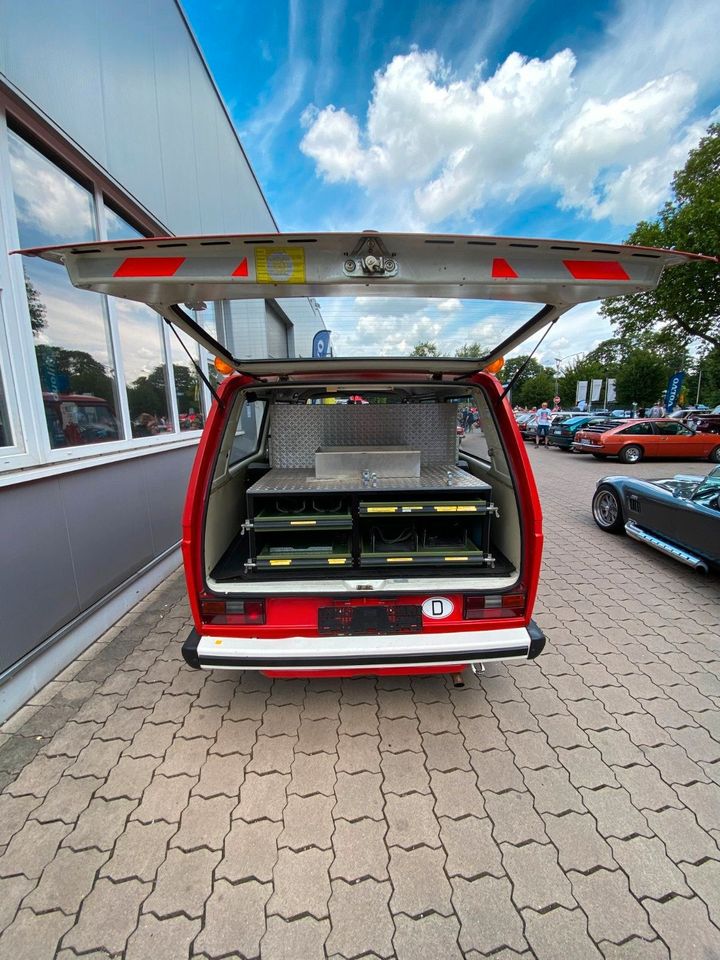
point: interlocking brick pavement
(568, 807)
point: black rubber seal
(289, 663)
(189, 649)
(537, 640)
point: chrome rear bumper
(363, 652)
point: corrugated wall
(125, 81)
(69, 540)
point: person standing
(542, 427)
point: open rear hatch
(165, 272)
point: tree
(641, 379)
(471, 350)
(38, 310)
(706, 375)
(536, 389)
(513, 365)
(687, 299)
(426, 348)
(72, 371)
(584, 368)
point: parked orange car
(633, 440)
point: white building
(110, 127)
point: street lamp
(558, 361)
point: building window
(118, 228)
(6, 438)
(187, 382)
(143, 351)
(69, 326)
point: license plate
(557, 432)
(348, 621)
(586, 442)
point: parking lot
(562, 808)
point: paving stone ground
(563, 808)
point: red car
(633, 440)
(339, 539)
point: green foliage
(538, 388)
(641, 379)
(686, 302)
(426, 348)
(147, 395)
(584, 368)
(706, 373)
(38, 310)
(72, 371)
(472, 350)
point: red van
(345, 538)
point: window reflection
(187, 383)
(72, 345)
(119, 229)
(143, 351)
(143, 354)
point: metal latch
(370, 257)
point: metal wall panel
(104, 552)
(165, 483)
(68, 540)
(297, 431)
(52, 53)
(130, 100)
(177, 139)
(37, 580)
(277, 334)
(126, 82)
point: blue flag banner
(673, 390)
(321, 344)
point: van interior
(329, 488)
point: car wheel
(631, 454)
(607, 509)
(715, 455)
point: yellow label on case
(456, 558)
(303, 523)
(337, 560)
(457, 509)
(280, 563)
(399, 559)
(382, 509)
(280, 264)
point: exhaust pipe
(689, 559)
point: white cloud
(603, 135)
(449, 306)
(48, 199)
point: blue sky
(481, 116)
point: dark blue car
(680, 517)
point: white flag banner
(596, 390)
(581, 391)
(611, 395)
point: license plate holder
(375, 620)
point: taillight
(232, 611)
(494, 606)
